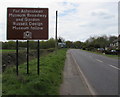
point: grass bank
(47, 83)
(9, 56)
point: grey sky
(76, 20)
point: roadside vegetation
(47, 83)
(100, 45)
(8, 50)
(11, 45)
(51, 63)
(9, 56)
(108, 46)
(108, 55)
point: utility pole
(56, 43)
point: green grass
(7, 50)
(111, 56)
(47, 83)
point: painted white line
(99, 60)
(115, 67)
(92, 91)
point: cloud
(76, 20)
(102, 13)
(66, 8)
(66, 12)
(83, 24)
(2, 32)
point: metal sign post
(27, 56)
(27, 24)
(38, 71)
(17, 57)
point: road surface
(73, 83)
(101, 72)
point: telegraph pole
(56, 43)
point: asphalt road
(73, 83)
(100, 71)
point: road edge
(91, 90)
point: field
(47, 83)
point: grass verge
(47, 83)
(111, 56)
(7, 50)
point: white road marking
(115, 67)
(99, 60)
(92, 91)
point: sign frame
(27, 23)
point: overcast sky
(77, 21)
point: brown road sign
(27, 23)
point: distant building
(115, 43)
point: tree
(112, 38)
(51, 43)
(60, 39)
(69, 44)
(78, 44)
(96, 42)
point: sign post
(27, 56)
(17, 57)
(38, 58)
(27, 24)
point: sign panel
(27, 23)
